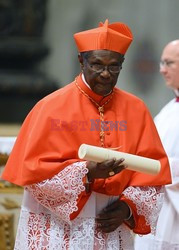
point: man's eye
(114, 67)
(97, 66)
(166, 63)
(169, 63)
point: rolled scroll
(132, 162)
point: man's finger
(106, 164)
(113, 206)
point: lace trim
(148, 201)
(60, 193)
(47, 231)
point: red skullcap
(115, 37)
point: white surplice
(167, 231)
(45, 214)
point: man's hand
(113, 216)
(104, 169)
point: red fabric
(55, 128)
(177, 99)
(53, 131)
(115, 37)
(140, 222)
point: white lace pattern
(148, 201)
(42, 232)
(45, 224)
(59, 194)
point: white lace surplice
(45, 215)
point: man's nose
(105, 73)
(163, 69)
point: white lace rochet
(45, 224)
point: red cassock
(56, 127)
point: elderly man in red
(74, 204)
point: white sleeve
(60, 193)
(148, 201)
(172, 193)
(172, 190)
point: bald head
(173, 48)
(170, 64)
(173, 43)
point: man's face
(101, 69)
(169, 66)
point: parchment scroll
(133, 162)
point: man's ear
(80, 59)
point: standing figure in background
(167, 122)
(74, 204)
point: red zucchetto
(115, 37)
